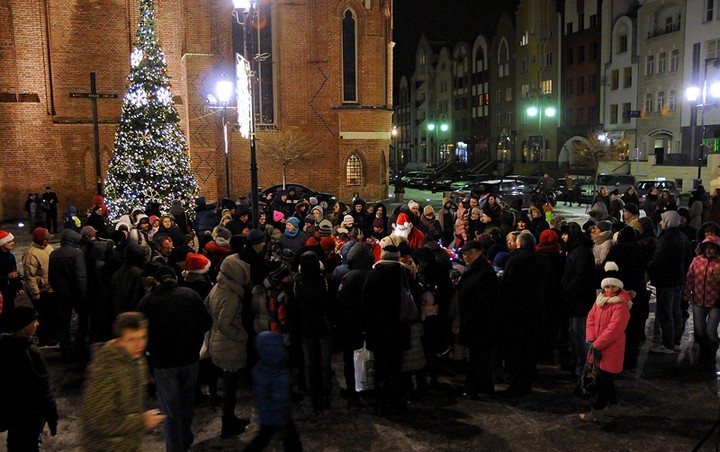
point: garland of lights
(150, 161)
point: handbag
(364, 369)
(408, 309)
(587, 384)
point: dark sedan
(325, 200)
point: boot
(593, 416)
(612, 410)
(233, 425)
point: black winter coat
(670, 260)
(479, 305)
(313, 306)
(524, 284)
(24, 382)
(67, 271)
(579, 281)
(360, 260)
(381, 308)
(178, 322)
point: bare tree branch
(288, 147)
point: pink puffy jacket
(605, 328)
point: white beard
(404, 233)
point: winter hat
(313, 201)
(325, 228)
(21, 317)
(390, 253)
(403, 222)
(548, 242)
(348, 220)
(6, 237)
(279, 273)
(632, 208)
(501, 259)
(277, 216)
(153, 218)
(309, 218)
(413, 204)
(604, 225)
(222, 236)
(318, 208)
(378, 223)
(165, 274)
(200, 200)
(295, 222)
(670, 219)
(88, 231)
(39, 235)
(612, 276)
(327, 243)
(254, 237)
(341, 231)
(428, 210)
(196, 263)
(242, 209)
(626, 234)
(287, 256)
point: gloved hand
(597, 354)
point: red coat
(605, 328)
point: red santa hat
(197, 263)
(6, 237)
(403, 222)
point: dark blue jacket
(272, 380)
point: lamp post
(537, 109)
(223, 91)
(246, 9)
(698, 98)
(397, 151)
(433, 128)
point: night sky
(440, 20)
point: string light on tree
(150, 160)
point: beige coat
(228, 338)
(35, 269)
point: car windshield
(486, 188)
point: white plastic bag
(364, 369)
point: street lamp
(534, 110)
(433, 128)
(223, 90)
(246, 9)
(217, 101)
(395, 148)
(698, 98)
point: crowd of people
(205, 297)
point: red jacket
(605, 328)
(702, 287)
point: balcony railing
(669, 28)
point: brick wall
(50, 47)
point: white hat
(612, 276)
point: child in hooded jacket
(605, 329)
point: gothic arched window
(353, 170)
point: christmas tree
(150, 161)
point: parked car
(415, 179)
(621, 182)
(325, 200)
(643, 187)
(512, 191)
